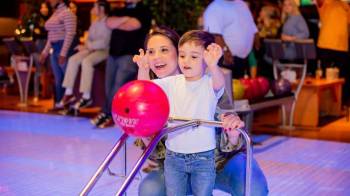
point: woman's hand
(150, 166)
(285, 37)
(80, 47)
(42, 58)
(212, 55)
(62, 60)
(141, 60)
(230, 123)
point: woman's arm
(302, 29)
(44, 53)
(297, 29)
(125, 23)
(70, 27)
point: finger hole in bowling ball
(127, 110)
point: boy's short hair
(199, 37)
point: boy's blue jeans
(231, 179)
(198, 169)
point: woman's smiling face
(162, 56)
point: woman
(268, 22)
(40, 34)
(161, 56)
(94, 51)
(40, 37)
(61, 28)
(294, 27)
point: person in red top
(61, 28)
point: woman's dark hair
(200, 37)
(104, 4)
(49, 8)
(66, 2)
(164, 31)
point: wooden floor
(12, 102)
(332, 128)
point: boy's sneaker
(105, 122)
(67, 100)
(96, 120)
(82, 103)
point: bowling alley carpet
(42, 154)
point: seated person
(94, 51)
(294, 27)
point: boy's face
(191, 60)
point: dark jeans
(119, 70)
(39, 44)
(59, 70)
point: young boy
(193, 94)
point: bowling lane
(56, 155)
(43, 154)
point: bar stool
(304, 50)
(22, 63)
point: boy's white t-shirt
(194, 100)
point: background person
(130, 26)
(294, 27)
(40, 39)
(91, 53)
(233, 24)
(333, 40)
(61, 28)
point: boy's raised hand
(212, 54)
(141, 59)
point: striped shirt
(61, 25)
